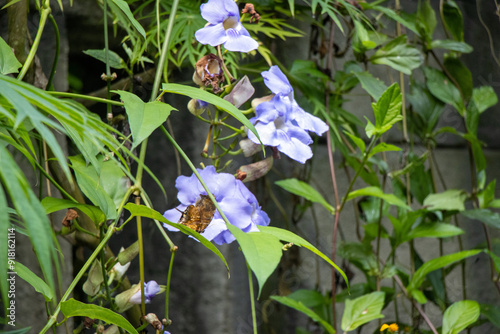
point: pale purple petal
(173, 215)
(267, 133)
(237, 211)
(276, 81)
(214, 11)
(237, 41)
(266, 112)
(294, 148)
(307, 121)
(212, 35)
(216, 227)
(150, 290)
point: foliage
(101, 183)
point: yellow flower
(392, 327)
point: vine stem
(44, 14)
(97, 251)
(252, 299)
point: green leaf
(398, 55)
(461, 74)
(425, 105)
(114, 60)
(126, 10)
(377, 192)
(426, 18)
(363, 36)
(387, 111)
(52, 204)
(373, 86)
(310, 298)
(303, 189)
(492, 313)
(288, 236)
(383, 147)
(442, 88)
(460, 315)
(299, 306)
(487, 195)
(434, 230)
(453, 20)
(74, 308)
(484, 216)
(143, 211)
(450, 200)
(451, 45)
(8, 61)
(4, 245)
(436, 264)
(361, 310)
(484, 97)
(262, 252)
(358, 141)
(36, 282)
(196, 93)
(143, 117)
(18, 331)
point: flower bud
(249, 148)
(256, 102)
(257, 169)
(153, 320)
(112, 330)
(241, 92)
(118, 269)
(132, 296)
(93, 283)
(127, 255)
(197, 107)
(208, 71)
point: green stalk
(56, 56)
(53, 318)
(167, 288)
(109, 112)
(44, 14)
(86, 97)
(252, 301)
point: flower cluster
(281, 123)
(238, 204)
(224, 27)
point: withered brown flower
(208, 71)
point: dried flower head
(208, 71)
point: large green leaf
(197, 93)
(433, 230)
(484, 97)
(143, 211)
(262, 252)
(303, 189)
(453, 20)
(8, 61)
(436, 264)
(52, 204)
(450, 200)
(114, 60)
(373, 86)
(299, 306)
(31, 212)
(399, 55)
(74, 308)
(442, 88)
(143, 117)
(460, 315)
(288, 236)
(36, 282)
(484, 216)
(451, 45)
(492, 313)
(462, 76)
(387, 111)
(377, 192)
(361, 310)
(425, 105)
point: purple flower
(224, 27)
(281, 123)
(236, 201)
(150, 290)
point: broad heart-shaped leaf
(361, 310)
(52, 204)
(114, 60)
(74, 308)
(460, 315)
(196, 93)
(143, 211)
(123, 5)
(435, 264)
(484, 97)
(262, 252)
(373, 86)
(492, 313)
(377, 192)
(303, 189)
(398, 55)
(299, 306)
(484, 216)
(450, 200)
(143, 117)
(387, 111)
(442, 88)
(36, 282)
(288, 236)
(8, 61)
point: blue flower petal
(267, 111)
(215, 11)
(307, 121)
(294, 148)
(238, 41)
(174, 215)
(267, 133)
(276, 81)
(212, 35)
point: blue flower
(224, 27)
(237, 202)
(150, 290)
(281, 123)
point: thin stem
(141, 257)
(167, 289)
(86, 97)
(226, 71)
(31, 55)
(56, 55)
(106, 59)
(83, 270)
(252, 299)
